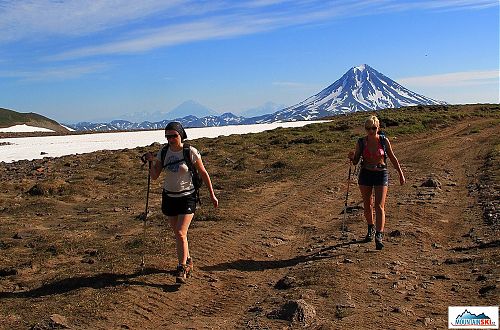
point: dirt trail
(433, 256)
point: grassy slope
(285, 153)
(10, 118)
(280, 153)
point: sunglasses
(171, 136)
(373, 128)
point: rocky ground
(273, 256)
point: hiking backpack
(186, 154)
(361, 142)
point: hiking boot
(379, 236)
(370, 234)
(181, 274)
(189, 267)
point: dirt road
(75, 261)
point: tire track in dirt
(238, 261)
(274, 217)
(228, 240)
(138, 307)
(270, 214)
(425, 263)
(428, 231)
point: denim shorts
(373, 178)
(173, 206)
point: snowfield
(24, 128)
(29, 148)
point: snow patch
(56, 146)
(361, 67)
(68, 128)
(24, 129)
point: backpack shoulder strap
(163, 154)
(361, 142)
(382, 139)
(186, 153)
(361, 145)
(383, 142)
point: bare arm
(356, 155)
(206, 179)
(395, 162)
(156, 165)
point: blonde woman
(374, 149)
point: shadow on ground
(98, 281)
(260, 265)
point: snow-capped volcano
(362, 88)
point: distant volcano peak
(361, 88)
(361, 67)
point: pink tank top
(375, 156)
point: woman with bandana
(179, 193)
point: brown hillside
(10, 118)
(70, 237)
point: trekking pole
(346, 198)
(145, 215)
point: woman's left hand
(215, 201)
(402, 179)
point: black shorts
(373, 178)
(172, 206)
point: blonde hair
(372, 120)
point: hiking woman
(179, 195)
(374, 149)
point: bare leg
(366, 193)
(180, 225)
(380, 194)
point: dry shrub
(50, 188)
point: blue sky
(84, 60)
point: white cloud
(180, 21)
(20, 19)
(56, 73)
(440, 5)
(154, 38)
(454, 79)
(460, 4)
(458, 87)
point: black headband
(176, 126)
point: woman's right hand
(149, 156)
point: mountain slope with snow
(13, 121)
(362, 88)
